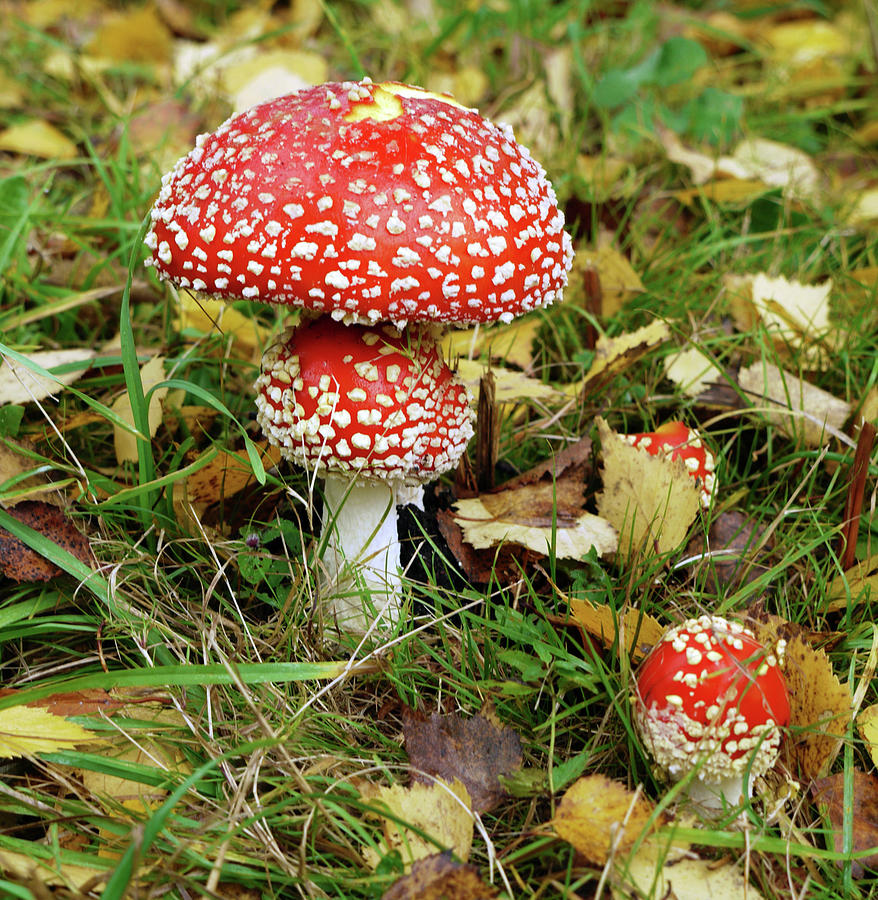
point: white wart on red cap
(710, 695)
(368, 201)
(360, 399)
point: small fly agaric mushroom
(374, 409)
(677, 441)
(710, 699)
(372, 202)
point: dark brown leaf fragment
(864, 798)
(19, 562)
(474, 750)
(439, 877)
(731, 554)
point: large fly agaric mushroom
(677, 441)
(374, 409)
(372, 202)
(711, 700)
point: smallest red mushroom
(711, 699)
(677, 441)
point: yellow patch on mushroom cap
(385, 104)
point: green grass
(274, 724)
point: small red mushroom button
(677, 441)
(711, 699)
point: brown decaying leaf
(650, 500)
(591, 814)
(820, 708)
(728, 558)
(474, 750)
(864, 800)
(88, 702)
(439, 877)
(639, 631)
(19, 562)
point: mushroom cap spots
(678, 441)
(710, 695)
(371, 202)
(373, 401)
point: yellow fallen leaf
(867, 725)
(204, 315)
(619, 282)
(800, 410)
(19, 384)
(509, 386)
(34, 137)
(52, 871)
(638, 631)
(865, 208)
(270, 74)
(151, 373)
(650, 500)
(486, 522)
(31, 730)
(511, 344)
(134, 34)
(692, 371)
(440, 810)
(854, 586)
(613, 356)
(659, 871)
(798, 42)
(11, 92)
(598, 815)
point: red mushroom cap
(678, 441)
(373, 401)
(369, 201)
(709, 693)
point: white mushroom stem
(713, 797)
(361, 551)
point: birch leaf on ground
(31, 730)
(637, 631)
(657, 871)
(800, 410)
(650, 500)
(692, 371)
(597, 815)
(34, 137)
(619, 282)
(18, 384)
(867, 725)
(613, 356)
(151, 373)
(509, 386)
(536, 516)
(439, 810)
(204, 315)
(511, 344)
(820, 707)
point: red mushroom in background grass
(371, 202)
(711, 700)
(678, 441)
(373, 409)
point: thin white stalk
(361, 551)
